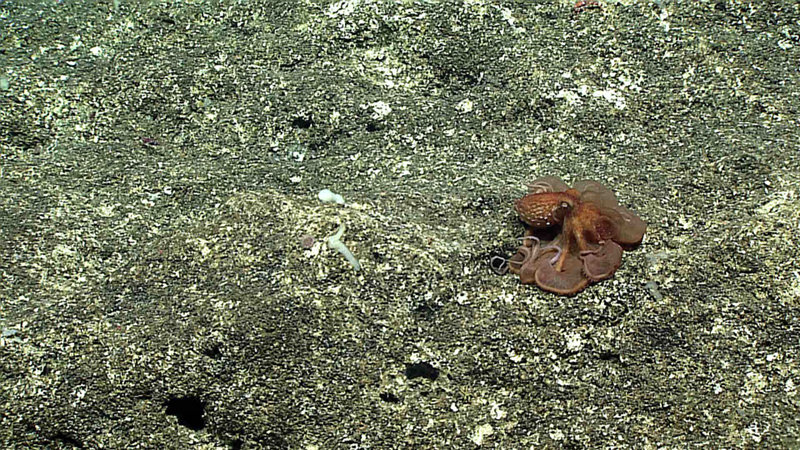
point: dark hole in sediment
(609, 356)
(389, 397)
(67, 440)
(302, 122)
(423, 370)
(188, 410)
(212, 351)
(374, 126)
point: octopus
(573, 237)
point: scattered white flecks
(106, 210)
(506, 297)
(402, 168)
(201, 245)
(63, 251)
(508, 16)
(298, 156)
(514, 356)
(612, 96)
(570, 96)
(629, 83)
(663, 19)
(574, 342)
(685, 222)
(481, 433)
(496, 412)
(75, 44)
(755, 431)
(380, 109)
(790, 388)
(96, 51)
(755, 384)
(556, 435)
(314, 251)
(9, 336)
(8, 332)
(342, 8)
(781, 201)
(465, 106)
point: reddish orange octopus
(574, 236)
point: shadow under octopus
(574, 236)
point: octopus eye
(561, 211)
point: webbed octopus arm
(547, 184)
(567, 281)
(631, 228)
(583, 232)
(596, 193)
(602, 262)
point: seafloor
(160, 168)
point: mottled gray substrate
(160, 164)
